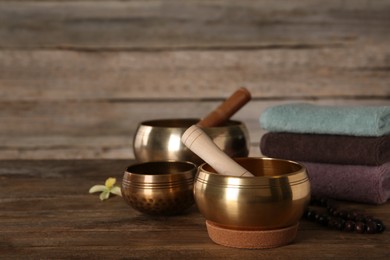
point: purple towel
(337, 149)
(366, 184)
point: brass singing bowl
(160, 140)
(159, 188)
(275, 198)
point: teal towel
(316, 119)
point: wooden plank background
(77, 77)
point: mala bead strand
(343, 220)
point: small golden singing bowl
(274, 199)
(160, 140)
(159, 188)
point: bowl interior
(266, 167)
(161, 168)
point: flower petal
(116, 190)
(104, 195)
(110, 182)
(97, 188)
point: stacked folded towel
(346, 150)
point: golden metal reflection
(275, 198)
(159, 140)
(174, 143)
(232, 190)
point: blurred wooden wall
(76, 77)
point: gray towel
(315, 119)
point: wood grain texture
(76, 77)
(268, 74)
(190, 24)
(46, 212)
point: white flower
(106, 189)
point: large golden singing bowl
(159, 188)
(160, 140)
(275, 198)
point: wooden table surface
(47, 213)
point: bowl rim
(191, 120)
(140, 164)
(302, 170)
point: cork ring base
(251, 239)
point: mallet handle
(198, 142)
(227, 109)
